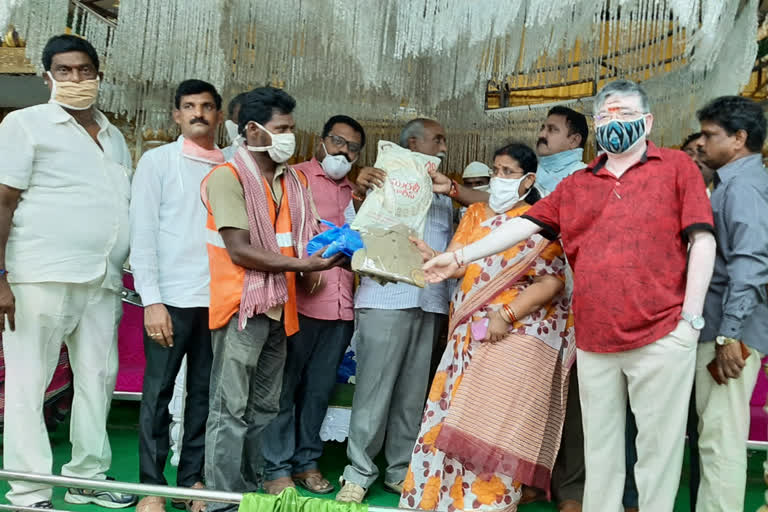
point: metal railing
(184, 493)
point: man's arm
(442, 184)
(242, 253)
(145, 228)
(701, 263)
(9, 198)
(500, 239)
(747, 271)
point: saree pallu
(494, 415)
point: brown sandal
(313, 481)
(151, 504)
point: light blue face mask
(620, 136)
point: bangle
(510, 313)
(456, 258)
(357, 197)
(454, 190)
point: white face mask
(282, 148)
(231, 128)
(505, 193)
(335, 166)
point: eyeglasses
(620, 114)
(340, 142)
(506, 173)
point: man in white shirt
(170, 267)
(64, 229)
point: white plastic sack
(406, 195)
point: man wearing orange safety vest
(260, 218)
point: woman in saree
(495, 411)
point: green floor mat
(123, 429)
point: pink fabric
(194, 151)
(130, 346)
(334, 300)
(265, 290)
(758, 427)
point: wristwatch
(696, 321)
(725, 340)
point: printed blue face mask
(620, 136)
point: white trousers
(658, 379)
(85, 317)
(723, 430)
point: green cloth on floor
(290, 501)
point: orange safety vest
(227, 279)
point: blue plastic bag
(338, 239)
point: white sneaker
(350, 492)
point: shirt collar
(651, 151)
(731, 169)
(59, 115)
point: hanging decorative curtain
(389, 60)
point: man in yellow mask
(64, 231)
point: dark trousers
(630, 488)
(191, 338)
(292, 441)
(568, 472)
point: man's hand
(7, 305)
(440, 268)
(316, 262)
(158, 325)
(729, 360)
(441, 184)
(497, 327)
(427, 253)
(370, 177)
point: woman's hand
(497, 327)
(441, 267)
(427, 253)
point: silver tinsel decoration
(386, 61)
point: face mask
(231, 128)
(618, 137)
(335, 166)
(505, 192)
(282, 148)
(74, 95)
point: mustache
(199, 120)
(542, 140)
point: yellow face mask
(74, 95)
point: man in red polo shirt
(631, 223)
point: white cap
(477, 170)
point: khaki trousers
(723, 430)
(657, 378)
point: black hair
(575, 121)
(692, 137)
(734, 113)
(237, 100)
(68, 43)
(262, 103)
(526, 158)
(341, 119)
(194, 86)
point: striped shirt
(434, 298)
